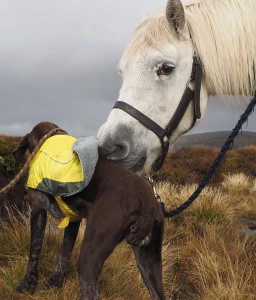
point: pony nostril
(120, 151)
(115, 152)
(115, 145)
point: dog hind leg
(105, 229)
(37, 225)
(61, 269)
(149, 261)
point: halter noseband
(165, 134)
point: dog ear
(19, 152)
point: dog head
(30, 140)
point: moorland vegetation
(208, 250)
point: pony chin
(151, 146)
(149, 164)
(144, 166)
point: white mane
(224, 36)
(223, 33)
(189, 2)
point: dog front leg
(37, 226)
(62, 265)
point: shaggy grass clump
(206, 251)
(6, 159)
(189, 165)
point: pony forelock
(152, 32)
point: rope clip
(153, 185)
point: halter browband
(165, 134)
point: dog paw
(56, 280)
(28, 285)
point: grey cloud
(223, 115)
(58, 62)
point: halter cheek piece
(165, 134)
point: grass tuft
(207, 251)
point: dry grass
(189, 165)
(11, 139)
(206, 253)
(214, 258)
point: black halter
(165, 134)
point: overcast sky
(58, 62)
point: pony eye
(164, 69)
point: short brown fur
(118, 205)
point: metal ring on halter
(153, 185)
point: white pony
(156, 69)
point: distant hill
(215, 140)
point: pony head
(156, 69)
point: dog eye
(164, 69)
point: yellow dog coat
(56, 169)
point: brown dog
(118, 205)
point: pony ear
(19, 152)
(175, 16)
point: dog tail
(140, 232)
